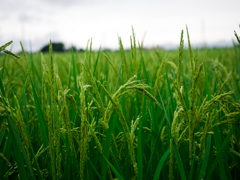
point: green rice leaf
(205, 160)
(74, 72)
(119, 73)
(179, 162)
(4, 63)
(19, 159)
(2, 135)
(192, 168)
(160, 164)
(66, 174)
(238, 38)
(95, 66)
(36, 163)
(206, 84)
(143, 65)
(7, 153)
(106, 149)
(223, 147)
(113, 169)
(140, 151)
(40, 116)
(218, 142)
(95, 169)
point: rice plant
(138, 114)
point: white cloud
(77, 21)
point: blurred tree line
(59, 47)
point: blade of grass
(206, 84)
(160, 164)
(224, 145)
(20, 162)
(143, 64)
(2, 135)
(106, 149)
(110, 62)
(36, 162)
(66, 174)
(205, 160)
(26, 119)
(40, 116)
(95, 169)
(74, 71)
(113, 169)
(192, 168)
(179, 162)
(95, 66)
(119, 73)
(33, 70)
(3, 66)
(116, 162)
(7, 152)
(23, 91)
(140, 152)
(73, 113)
(218, 142)
(170, 92)
(154, 147)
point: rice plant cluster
(130, 114)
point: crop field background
(128, 114)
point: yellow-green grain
(2, 157)
(180, 51)
(133, 51)
(208, 123)
(125, 128)
(191, 53)
(110, 62)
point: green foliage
(139, 114)
(56, 47)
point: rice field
(129, 114)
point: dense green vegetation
(120, 115)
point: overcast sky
(76, 21)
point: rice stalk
(191, 54)
(208, 123)
(125, 128)
(83, 137)
(123, 57)
(133, 51)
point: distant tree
(81, 50)
(56, 47)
